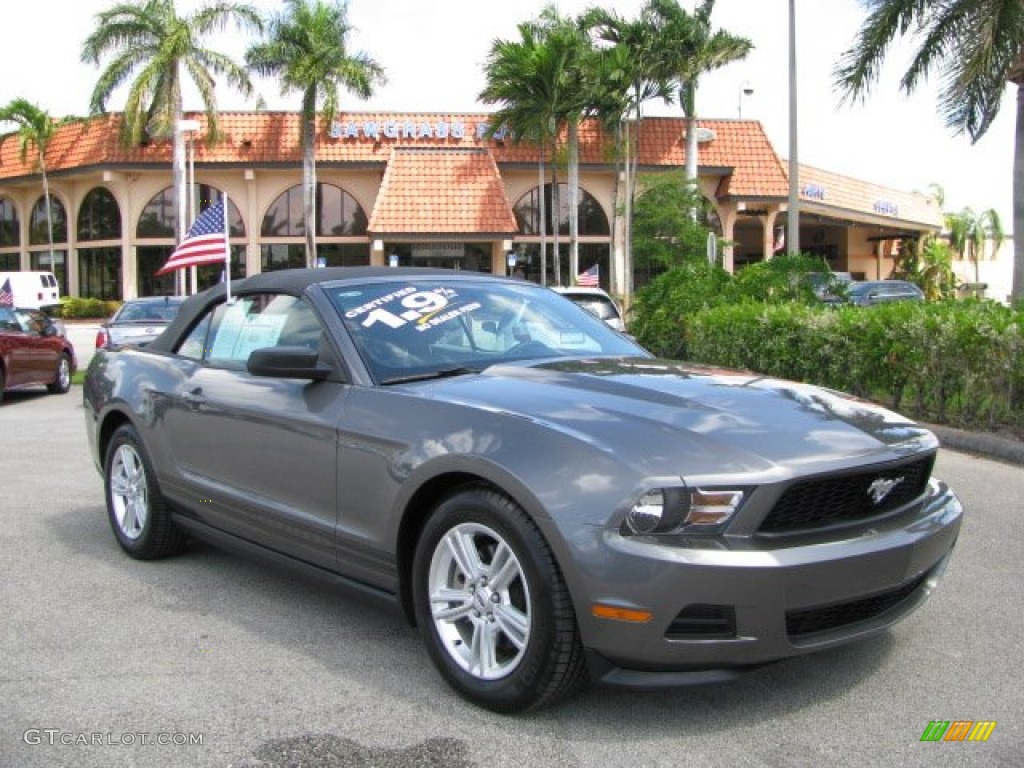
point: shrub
(75, 307)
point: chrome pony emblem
(882, 487)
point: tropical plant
(152, 49)
(928, 263)
(625, 81)
(686, 47)
(664, 233)
(969, 232)
(35, 128)
(975, 47)
(306, 48)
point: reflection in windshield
(413, 329)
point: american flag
(591, 278)
(7, 294)
(205, 242)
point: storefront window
(528, 263)
(337, 214)
(592, 219)
(150, 259)
(9, 262)
(283, 256)
(99, 217)
(211, 274)
(160, 214)
(10, 231)
(99, 273)
(38, 232)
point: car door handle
(195, 398)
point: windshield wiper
(443, 373)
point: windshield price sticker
(419, 307)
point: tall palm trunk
(574, 197)
(688, 96)
(309, 173)
(1018, 199)
(49, 205)
(543, 212)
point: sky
(433, 55)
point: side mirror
(286, 363)
(50, 330)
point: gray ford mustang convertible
(544, 499)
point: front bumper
(719, 605)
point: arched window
(340, 221)
(592, 219)
(10, 230)
(38, 232)
(99, 217)
(337, 214)
(159, 216)
(157, 221)
(10, 236)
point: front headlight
(679, 510)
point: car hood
(653, 412)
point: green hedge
(956, 362)
(74, 307)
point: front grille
(838, 499)
(811, 620)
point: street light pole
(745, 90)
(793, 208)
(190, 127)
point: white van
(32, 290)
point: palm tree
(152, 50)
(975, 47)
(545, 82)
(524, 76)
(686, 49)
(969, 232)
(626, 80)
(306, 49)
(35, 127)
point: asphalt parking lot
(234, 664)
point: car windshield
(155, 312)
(412, 329)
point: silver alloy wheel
(480, 601)
(64, 374)
(129, 491)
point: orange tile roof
(428, 191)
(740, 148)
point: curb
(982, 444)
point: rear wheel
(491, 604)
(139, 516)
(62, 383)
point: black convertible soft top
(293, 282)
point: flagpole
(227, 249)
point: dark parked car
(870, 292)
(139, 321)
(33, 352)
(541, 496)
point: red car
(32, 352)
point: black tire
(3, 383)
(524, 618)
(139, 516)
(62, 382)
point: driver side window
(228, 334)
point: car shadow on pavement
(213, 609)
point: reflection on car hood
(661, 410)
